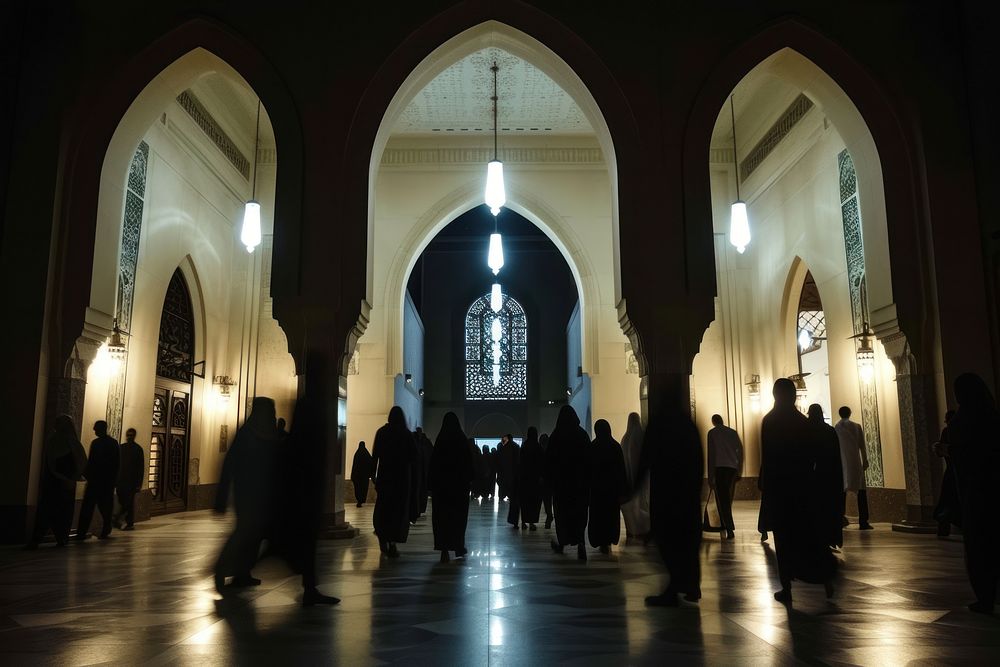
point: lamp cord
(256, 149)
(494, 69)
(736, 167)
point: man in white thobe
(854, 459)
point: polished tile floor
(146, 598)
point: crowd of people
(653, 479)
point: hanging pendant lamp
(739, 223)
(496, 298)
(495, 257)
(250, 235)
(495, 195)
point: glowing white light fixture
(496, 330)
(496, 194)
(496, 333)
(116, 346)
(250, 235)
(495, 257)
(496, 298)
(805, 340)
(739, 223)
(866, 355)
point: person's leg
(128, 508)
(782, 557)
(86, 512)
(863, 509)
(724, 478)
(106, 505)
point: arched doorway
(169, 442)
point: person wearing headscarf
(636, 510)
(489, 472)
(608, 488)
(529, 481)
(948, 511)
(543, 441)
(510, 463)
(361, 473)
(788, 482)
(424, 451)
(673, 463)
(394, 456)
(828, 491)
(248, 471)
(63, 463)
(568, 473)
(451, 475)
(477, 468)
(974, 448)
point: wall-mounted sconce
(569, 391)
(866, 354)
(116, 346)
(420, 392)
(551, 402)
(224, 385)
(753, 391)
(801, 390)
(579, 371)
(408, 378)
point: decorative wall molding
(214, 131)
(720, 156)
(792, 115)
(404, 157)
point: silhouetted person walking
(130, 473)
(529, 480)
(543, 440)
(489, 466)
(101, 474)
(507, 467)
(974, 447)
(725, 465)
(672, 460)
(636, 510)
(361, 472)
(608, 488)
(788, 479)
(948, 511)
(829, 486)
(510, 463)
(248, 471)
(394, 455)
(854, 462)
(568, 473)
(481, 469)
(63, 463)
(451, 478)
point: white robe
(635, 511)
(852, 442)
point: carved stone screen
(509, 381)
(175, 357)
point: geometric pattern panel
(481, 381)
(175, 354)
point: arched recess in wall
(869, 125)
(528, 205)
(113, 120)
(460, 31)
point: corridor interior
(147, 598)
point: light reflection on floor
(146, 597)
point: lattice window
(813, 322)
(496, 369)
(175, 357)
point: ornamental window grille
(496, 370)
(813, 322)
(175, 357)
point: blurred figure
(101, 474)
(529, 488)
(249, 472)
(394, 456)
(63, 463)
(361, 472)
(948, 512)
(672, 460)
(725, 463)
(854, 463)
(828, 490)
(130, 474)
(788, 483)
(636, 510)
(507, 466)
(608, 488)
(566, 464)
(543, 441)
(282, 433)
(510, 464)
(489, 467)
(450, 480)
(974, 447)
(424, 452)
(479, 467)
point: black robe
(424, 452)
(507, 469)
(394, 456)
(568, 474)
(361, 473)
(511, 459)
(789, 452)
(608, 490)
(529, 482)
(672, 457)
(451, 475)
(829, 489)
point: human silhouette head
(717, 420)
(262, 418)
(130, 435)
(65, 426)
(419, 431)
(509, 437)
(602, 429)
(361, 445)
(281, 423)
(972, 393)
(450, 425)
(101, 427)
(567, 417)
(816, 412)
(783, 392)
(397, 418)
(844, 412)
(486, 449)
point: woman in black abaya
(529, 483)
(828, 492)
(608, 488)
(451, 475)
(566, 463)
(394, 456)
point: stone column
(917, 415)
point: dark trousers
(725, 485)
(126, 498)
(547, 501)
(862, 506)
(103, 497)
(56, 502)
